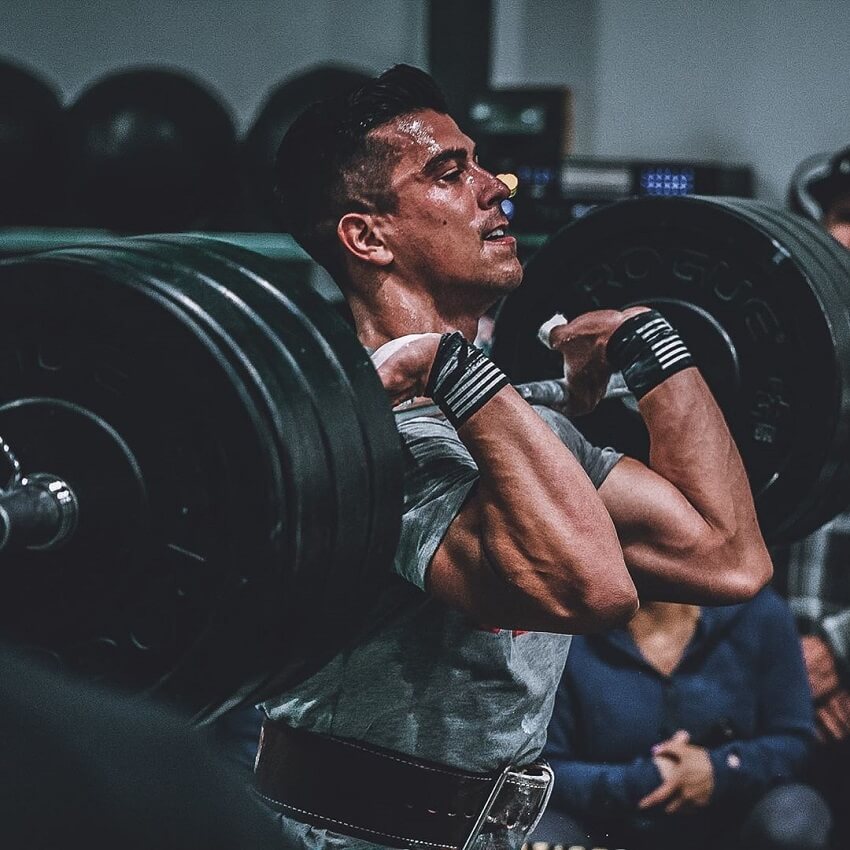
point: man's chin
(511, 278)
(496, 282)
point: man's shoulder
(423, 420)
(426, 437)
(561, 424)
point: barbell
(205, 478)
(232, 454)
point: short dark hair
(328, 164)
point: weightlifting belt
(392, 799)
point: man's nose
(493, 191)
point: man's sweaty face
(448, 228)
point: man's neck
(394, 311)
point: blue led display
(542, 176)
(535, 176)
(667, 181)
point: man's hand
(687, 777)
(404, 364)
(833, 716)
(583, 343)
(820, 665)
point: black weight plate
(331, 596)
(346, 516)
(284, 387)
(837, 494)
(344, 617)
(758, 331)
(377, 422)
(237, 634)
(841, 281)
(131, 602)
(830, 274)
(815, 504)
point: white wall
(241, 47)
(765, 82)
(760, 81)
(550, 42)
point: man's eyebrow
(445, 156)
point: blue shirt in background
(740, 690)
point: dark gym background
(756, 83)
(763, 82)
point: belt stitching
(456, 774)
(414, 807)
(526, 782)
(521, 781)
(360, 828)
(535, 786)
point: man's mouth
(496, 233)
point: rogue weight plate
(340, 345)
(323, 600)
(758, 319)
(102, 351)
(829, 267)
(242, 638)
(235, 460)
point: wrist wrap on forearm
(647, 350)
(463, 379)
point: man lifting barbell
(516, 531)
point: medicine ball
(150, 150)
(31, 167)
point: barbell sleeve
(38, 513)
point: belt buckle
(544, 800)
(493, 796)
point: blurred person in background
(814, 574)
(689, 727)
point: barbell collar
(38, 513)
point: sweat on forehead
(427, 133)
(418, 129)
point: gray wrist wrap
(462, 379)
(647, 350)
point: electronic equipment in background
(529, 132)
(548, 197)
(529, 126)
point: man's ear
(360, 235)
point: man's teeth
(496, 234)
